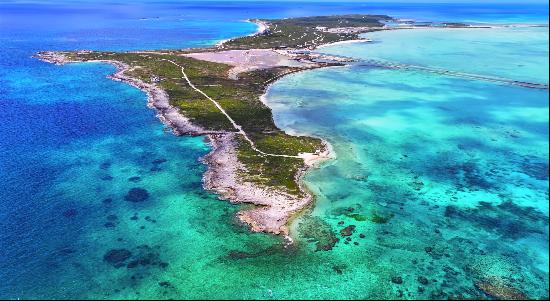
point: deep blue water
(70, 137)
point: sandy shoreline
(262, 27)
(310, 160)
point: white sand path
(235, 125)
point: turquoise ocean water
(457, 169)
(446, 178)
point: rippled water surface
(445, 178)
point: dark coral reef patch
(506, 219)
(136, 195)
(317, 230)
(117, 257)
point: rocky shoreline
(275, 207)
(157, 98)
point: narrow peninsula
(217, 92)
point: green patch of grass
(307, 31)
(278, 172)
(281, 143)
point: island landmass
(218, 91)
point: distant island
(218, 92)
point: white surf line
(235, 125)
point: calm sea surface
(446, 178)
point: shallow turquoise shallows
(518, 53)
(447, 178)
